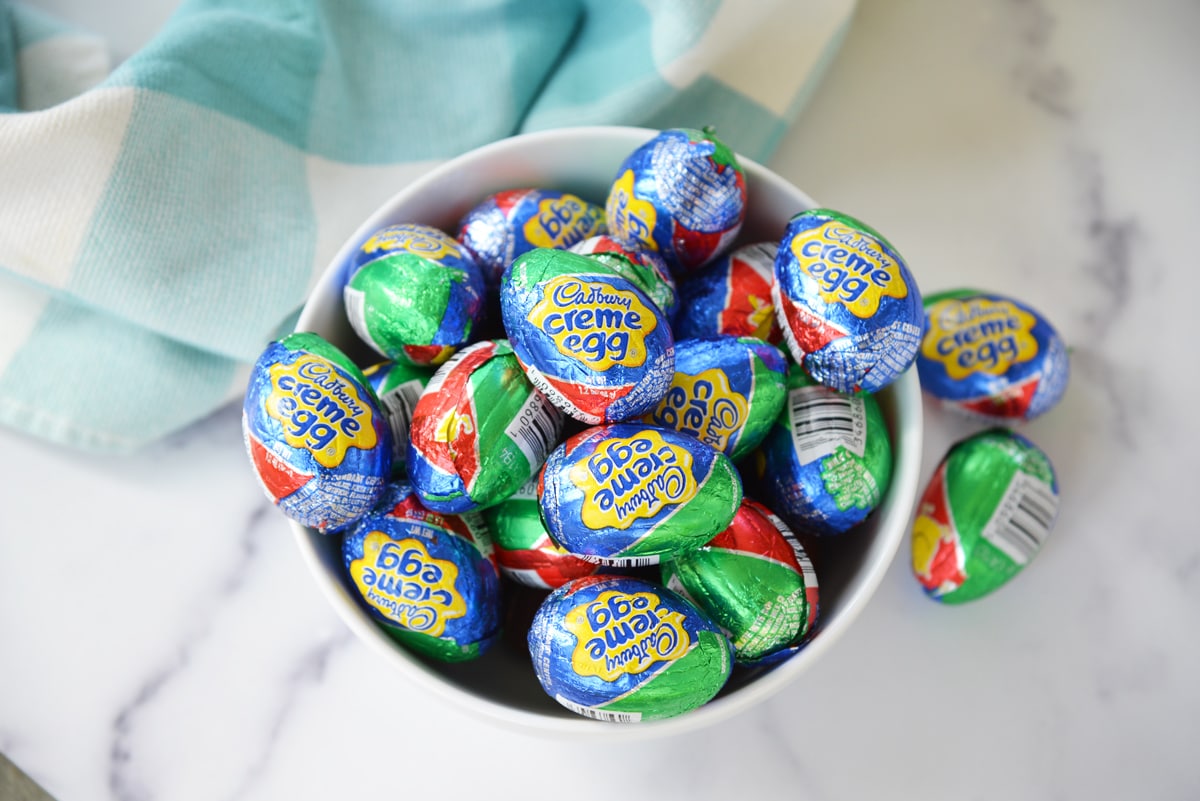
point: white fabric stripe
(343, 195)
(21, 306)
(748, 46)
(55, 70)
(55, 167)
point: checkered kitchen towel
(161, 223)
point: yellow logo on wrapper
(628, 214)
(319, 410)
(704, 406)
(561, 222)
(412, 239)
(978, 335)
(406, 584)
(593, 322)
(632, 478)
(624, 633)
(850, 267)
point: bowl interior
(501, 684)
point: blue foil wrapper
(625, 650)
(727, 391)
(682, 195)
(826, 462)
(428, 579)
(592, 342)
(991, 356)
(318, 442)
(630, 493)
(515, 221)
(849, 308)
(731, 297)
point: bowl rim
(892, 525)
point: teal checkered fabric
(162, 222)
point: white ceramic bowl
(501, 685)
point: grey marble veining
(124, 782)
(1046, 81)
(308, 672)
(1034, 147)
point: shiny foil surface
(991, 356)
(751, 580)
(827, 461)
(509, 223)
(479, 430)
(645, 269)
(413, 294)
(428, 579)
(681, 195)
(727, 392)
(594, 344)
(626, 650)
(731, 297)
(524, 550)
(317, 440)
(848, 306)
(630, 493)
(398, 386)
(985, 514)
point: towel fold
(162, 222)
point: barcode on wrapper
(599, 714)
(1023, 518)
(824, 420)
(535, 429)
(398, 404)
(621, 561)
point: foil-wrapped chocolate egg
(315, 435)
(827, 461)
(681, 195)
(726, 392)
(479, 430)
(849, 308)
(631, 494)
(984, 515)
(754, 580)
(524, 550)
(512, 222)
(625, 650)
(428, 579)
(731, 297)
(413, 294)
(991, 356)
(588, 338)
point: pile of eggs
(594, 403)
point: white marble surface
(162, 640)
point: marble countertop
(162, 639)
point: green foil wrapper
(750, 580)
(827, 461)
(985, 514)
